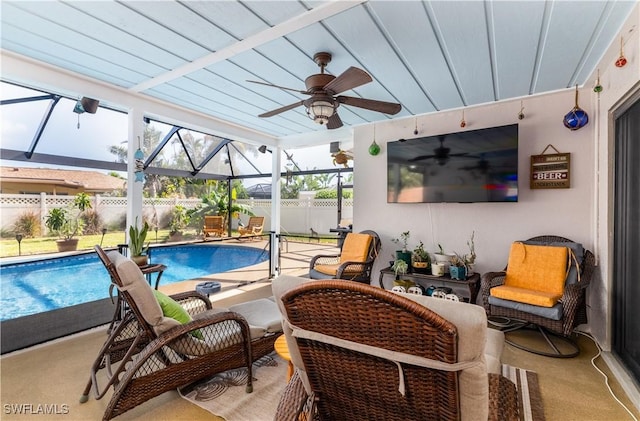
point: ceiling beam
(283, 29)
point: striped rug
(529, 399)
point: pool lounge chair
(148, 353)
(213, 226)
(253, 229)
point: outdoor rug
(224, 394)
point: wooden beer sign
(550, 171)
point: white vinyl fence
(297, 215)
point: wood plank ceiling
(426, 55)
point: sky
(98, 132)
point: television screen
(471, 166)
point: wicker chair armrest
(324, 259)
(193, 302)
(488, 281)
(292, 404)
(351, 267)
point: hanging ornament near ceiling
(374, 149)
(521, 113)
(139, 162)
(462, 122)
(622, 60)
(598, 88)
(577, 118)
(85, 105)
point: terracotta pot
(67, 245)
(140, 260)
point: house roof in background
(89, 181)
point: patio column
(276, 179)
(134, 189)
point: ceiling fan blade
(421, 158)
(334, 121)
(349, 79)
(281, 109)
(280, 87)
(371, 104)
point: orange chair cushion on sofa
(354, 249)
(535, 275)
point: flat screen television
(464, 167)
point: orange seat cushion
(535, 275)
(355, 247)
(529, 296)
(333, 270)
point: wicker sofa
(361, 352)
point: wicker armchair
(364, 353)
(572, 304)
(354, 263)
(147, 354)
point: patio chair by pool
(254, 227)
(213, 226)
(162, 343)
(354, 263)
(364, 353)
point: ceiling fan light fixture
(320, 111)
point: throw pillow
(171, 308)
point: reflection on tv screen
(471, 166)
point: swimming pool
(36, 287)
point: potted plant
(404, 253)
(420, 258)
(66, 223)
(400, 267)
(137, 249)
(470, 258)
(442, 257)
(458, 268)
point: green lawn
(40, 245)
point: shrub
(92, 222)
(28, 224)
(332, 194)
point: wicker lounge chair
(147, 353)
(555, 322)
(364, 353)
(355, 261)
(253, 229)
(213, 226)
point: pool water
(36, 287)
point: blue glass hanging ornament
(139, 159)
(577, 118)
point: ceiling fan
(322, 88)
(441, 154)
